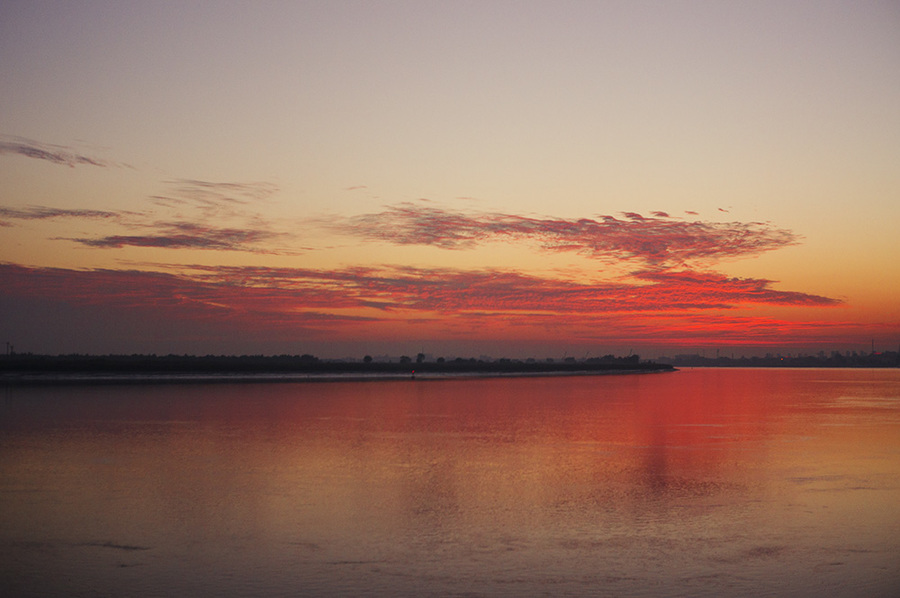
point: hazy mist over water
(705, 482)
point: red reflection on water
(685, 473)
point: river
(701, 482)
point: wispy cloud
(186, 235)
(209, 192)
(659, 240)
(207, 215)
(45, 213)
(221, 216)
(57, 154)
(170, 235)
(214, 200)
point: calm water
(695, 483)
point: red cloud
(290, 291)
(670, 307)
(744, 290)
(660, 241)
(691, 329)
(178, 296)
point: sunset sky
(458, 178)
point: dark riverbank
(886, 359)
(185, 368)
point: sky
(454, 178)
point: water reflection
(702, 482)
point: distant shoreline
(139, 369)
(50, 379)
